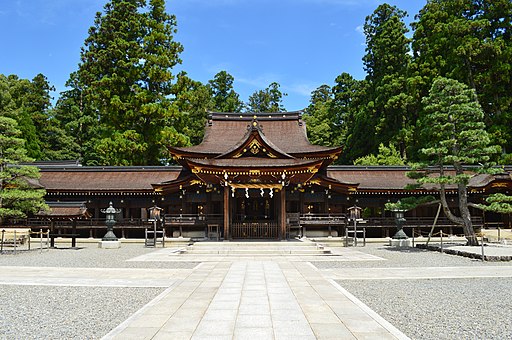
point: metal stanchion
(413, 236)
(364, 237)
(441, 240)
(15, 242)
(41, 240)
(2, 244)
(483, 251)
(499, 234)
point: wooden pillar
(226, 213)
(283, 214)
(73, 231)
(52, 233)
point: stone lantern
(110, 241)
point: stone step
(255, 244)
(257, 252)
(256, 248)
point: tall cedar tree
(386, 62)
(457, 137)
(125, 83)
(471, 41)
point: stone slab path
(255, 300)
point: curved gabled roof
(285, 130)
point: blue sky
(301, 44)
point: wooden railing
(255, 230)
(323, 219)
(376, 222)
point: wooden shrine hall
(260, 165)
(253, 177)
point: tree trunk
(469, 232)
(465, 219)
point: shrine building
(254, 176)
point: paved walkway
(255, 300)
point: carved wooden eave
(334, 185)
(185, 180)
(255, 171)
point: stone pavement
(255, 300)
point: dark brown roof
(372, 177)
(106, 179)
(285, 130)
(139, 179)
(395, 178)
(65, 210)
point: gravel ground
(36, 312)
(50, 312)
(478, 308)
(90, 256)
(441, 308)
(412, 257)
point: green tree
(351, 119)
(318, 117)
(17, 106)
(78, 121)
(125, 81)
(18, 197)
(457, 137)
(386, 62)
(268, 100)
(225, 98)
(388, 155)
(193, 100)
(470, 41)
(54, 142)
(498, 203)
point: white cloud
(360, 29)
(303, 89)
(261, 82)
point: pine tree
(18, 196)
(457, 137)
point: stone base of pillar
(401, 243)
(109, 244)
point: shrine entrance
(255, 216)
